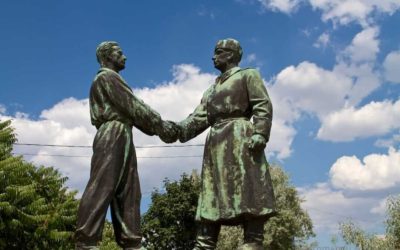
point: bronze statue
(236, 187)
(114, 179)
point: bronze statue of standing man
(114, 179)
(236, 187)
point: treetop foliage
(36, 209)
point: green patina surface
(235, 179)
(111, 99)
(114, 179)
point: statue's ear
(231, 56)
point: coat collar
(106, 69)
(101, 70)
(223, 77)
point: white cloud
(331, 95)
(285, 6)
(391, 67)
(344, 12)
(374, 172)
(375, 118)
(327, 207)
(365, 80)
(70, 113)
(282, 136)
(322, 40)
(340, 12)
(380, 208)
(364, 46)
(310, 88)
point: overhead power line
(84, 156)
(85, 146)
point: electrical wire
(84, 146)
(85, 156)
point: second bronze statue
(236, 187)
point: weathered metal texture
(236, 183)
(114, 178)
(112, 99)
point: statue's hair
(104, 50)
(232, 45)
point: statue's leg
(107, 161)
(125, 207)
(253, 234)
(207, 236)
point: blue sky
(332, 68)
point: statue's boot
(253, 235)
(85, 247)
(207, 236)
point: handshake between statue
(170, 132)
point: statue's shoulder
(249, 71)
(105, 74)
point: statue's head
(227, 53)
(110, 55)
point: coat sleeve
(261, 106)
(196, 122)
(139, 113)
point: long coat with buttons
(235, 180)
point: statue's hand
(257, 142)
(170, 132)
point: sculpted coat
(236, 182)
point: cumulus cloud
(357, 190)
(327, 207)
(285, 6)
(340, 12)
(391, 67)
(375, 118)
(374, 172)
(343, 12)
(282, 136)
(364, 46)
(310, 88)
(332, 95)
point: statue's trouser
(113, 181)
(207, 235)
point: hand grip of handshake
(170, 132)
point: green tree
(169, 222)
(108, 242)
(36, 209)
(353, 234)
